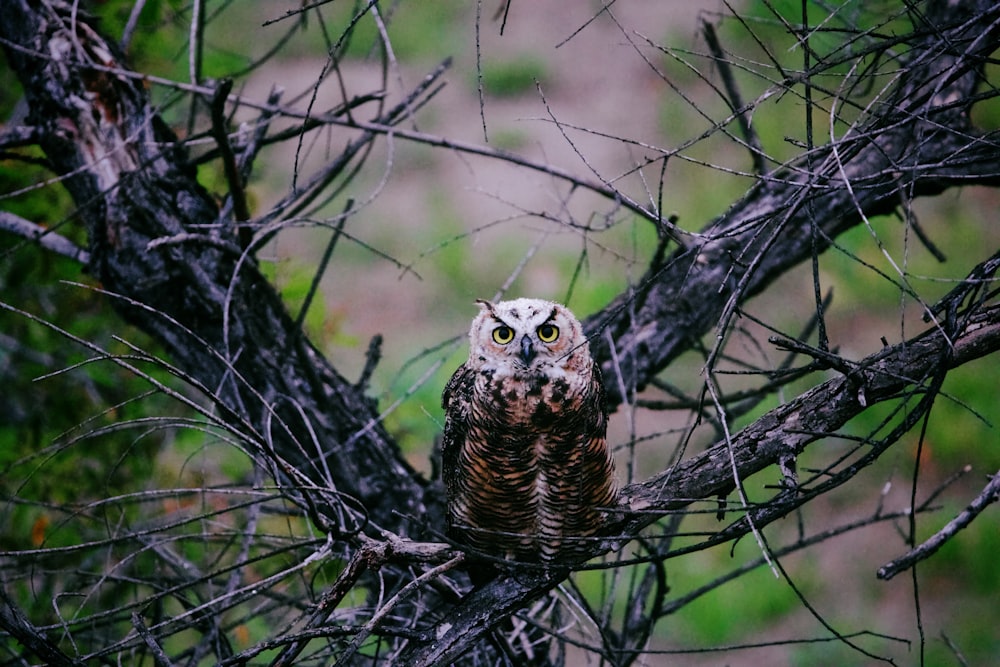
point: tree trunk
(175, 269)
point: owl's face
(526, 335)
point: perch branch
(786, 430)
(921, 143)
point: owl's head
(525, 335)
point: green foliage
(517, 76)
(417, 31)
(294, 281)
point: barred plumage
(525, 459)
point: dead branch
(919, 141)
(990, 494)
(135, 187)
(46, 238)
(172, 267)
(783, 432)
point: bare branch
(344, 573)
(735, 99)
(46, 238)
(13, 621)
(241, 324)
(769, 231)
(990, 494)
(220, 132)
(785, 431)
(813, 416)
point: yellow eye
(547, 333)
(503, 334)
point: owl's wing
(599, 396)
(453, 385)
(456, 401)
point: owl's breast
(525, 460)
(529, 399)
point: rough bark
(913, 368)
(917, 142)
(177, 270)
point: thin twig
(241, 211)
(390, 604)
(160, 658)
(990, 494)
(257, 140)
(321, 269)
(372, 356)
(735, 100)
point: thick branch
(788, 429)
(220, 319)
(918, 143)
(224, 324)
(783, 432)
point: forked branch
(909, 368)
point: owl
(525, 459)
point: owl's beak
(527, 350)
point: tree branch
(990, 494)
(785, 431)
(919, 141)
(222, 322)
(812, 416)
(46, 238)
(13, 621)
(214, 311)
